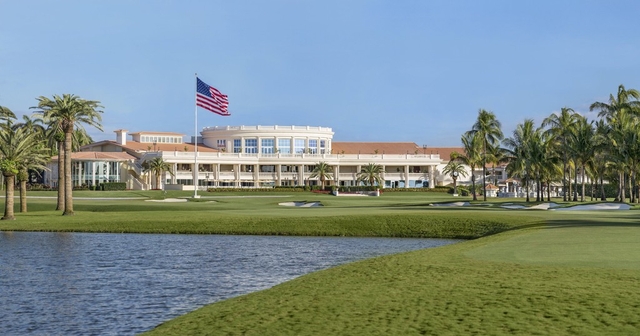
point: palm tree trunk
(569, 190)
(23, 196)
(575, 187)
(473, 184)
(526, 185)
(622, 191)
(157, 181)
(603, 196)
(582, 174)
(630, 186)
(484, 175)
(68, 186)
(60, 176)
(8, 201)
(564, 178)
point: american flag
(209, 98)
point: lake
(124, 284)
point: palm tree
(519, 148)
(488, 128)
(30, 126)
(157, 166)
(371, 174)
(561, 127)
(65, 114)
(583, 147)
(18, 148)
(322, 171)
(623, 101)
(472, 157)
(454, 169)
(6, 114)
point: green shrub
(442, 189)
(112, 186)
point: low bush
(111, 186)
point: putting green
(573, 246)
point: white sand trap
(544, 206)
(598, 206)
(541, 206)
(169, 200)
(301, 204)
(453, 204)
(513, 206)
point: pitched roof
(102, 156)
(143, 147)
(391, 148)
(151, 132)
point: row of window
(160, 139)
(267, 146)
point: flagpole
(195, 166)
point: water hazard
(124, 284)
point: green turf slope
(490, 286)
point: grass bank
(505, 284)
(395, 215)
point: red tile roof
(102, 156)
(391, 148)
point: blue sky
(407, 70)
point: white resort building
(253, 157)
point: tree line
(56, 128)
(565, 146)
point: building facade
(256, 156)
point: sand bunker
(169, 200)
(597, 206)
(301, 204)
(541, 206)
(453, 204)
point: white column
(236, 174)
(406, 176)
(278, 175)
(175, 172)
(301, 175)
(432, 181)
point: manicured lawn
(485, 286)
(531, 272)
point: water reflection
(123, 284)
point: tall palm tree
(625, 100)
(322, 171)
(157, 166)
(488, 128)
(584, 147)
(34, 126)
(67, 112)
(472, 157)
(371, 174)
(519, 148)
(454, 169)
(561, 127)
(17, 149)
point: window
(284, 146)
(313, 146)
(237, 145)
(299, 146)
(323, 144)
(221, 143)
(267, 169)
(251, 146)
(266, 146)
